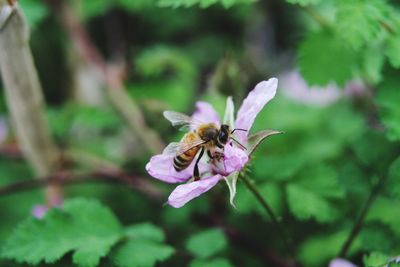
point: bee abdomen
(182, 161)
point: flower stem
(286, 239)
(361, 217)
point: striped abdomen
(183, 160)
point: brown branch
(24, 97)
(105, 176)
(112, 76)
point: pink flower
(234, 157)
(39, 211)
(338, 262)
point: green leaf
(83, 226)
(141, 253)
(311, 254)
(323, 58)
(305, 204)
(375, 259)
(322, 180)
(358, 21)
(35, 11)
(145, 231)
(218, 262)
(304, 2)
(207, 243)
(386, 211)
(388, 99)
(393, 182)
(95, 8)
(393, 50)
(373, 63)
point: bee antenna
(237, 142)
(238, 129)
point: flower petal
(205, 113)
(186, 192)
(252, 105)
(229, 113)
(235, 158)
(161, 167)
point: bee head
(224, 133)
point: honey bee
(204, 137)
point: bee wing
(180, 148)
(180, 120)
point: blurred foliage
(316, 176)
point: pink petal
(338, 262)
(186, 192)
(161, 167)
(235, 158)
(205, 113)
(252, 105)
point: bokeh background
(109, 68)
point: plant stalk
(286, 239)
(360, 219)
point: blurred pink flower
(338, 262)
(38, 211)
(234, 157)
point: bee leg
(209, 154)
(196, 173)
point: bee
(204, 137)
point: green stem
(286, 239)
(360, 219)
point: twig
(361, 217)
(286, 239)
(105, 176)
(126, 107)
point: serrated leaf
(386, 211)
(305, 204)
(83, 226)
(311, 254)
(375, 259)
(323, 58)
(358, 21)
(207, 243)
(323, 180)
(304, 2)
(141, 253)
(393, 182)
(393, 50)
(373, 63)
(388, 99)
(256, 139)
(145, 231)
(218, 262)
